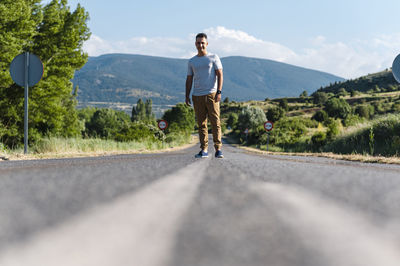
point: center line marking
(136, 229)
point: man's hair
(201, 35)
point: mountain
(124, 78)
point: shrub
(337, 108)
(232, 120)
(251, 118)
(288, 131)
(352, 120)
(334, 128)
(276, 113)
(318, 140)
(382, 137)
(365, 110)
(320, 116)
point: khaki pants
(205, 106)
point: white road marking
(338, 235)
(136, 229)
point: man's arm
(189, 81)
(220, 81)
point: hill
(124, 78)
(377, 82)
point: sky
(348, 38)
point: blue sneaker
(218, 154)
(201, 154)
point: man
(205, 70)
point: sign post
(162, 125)
(26, 70)
(246, 132)
(268, 126)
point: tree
(365, 111)
(337, 108)
(56, 35)
(320, 98)
(134, 115)
(226, 100)
(304, 94)
(283, 103)
(276, 113)
(149, 110)
(342, 92)
(320, 116)
(143, 111)
(139, 112)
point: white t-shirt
(202, 68)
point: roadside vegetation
(360, 116)
(56, 34)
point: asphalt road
(174, 210)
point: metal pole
(267, 141)
(26, 103)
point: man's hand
(217, 97)
(188, 103)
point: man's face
(201, 44)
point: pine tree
(134, 116)
(149, 110)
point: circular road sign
(246, 131)
(268, 125)
(35, 69)
(162, 124)
(396, 68)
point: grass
(365, 158)
(55, 147)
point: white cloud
(349, 60)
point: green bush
(105, 123)
(251, 118)
(182, 116)
(139, 132)
(337, 108)
(288, 131)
